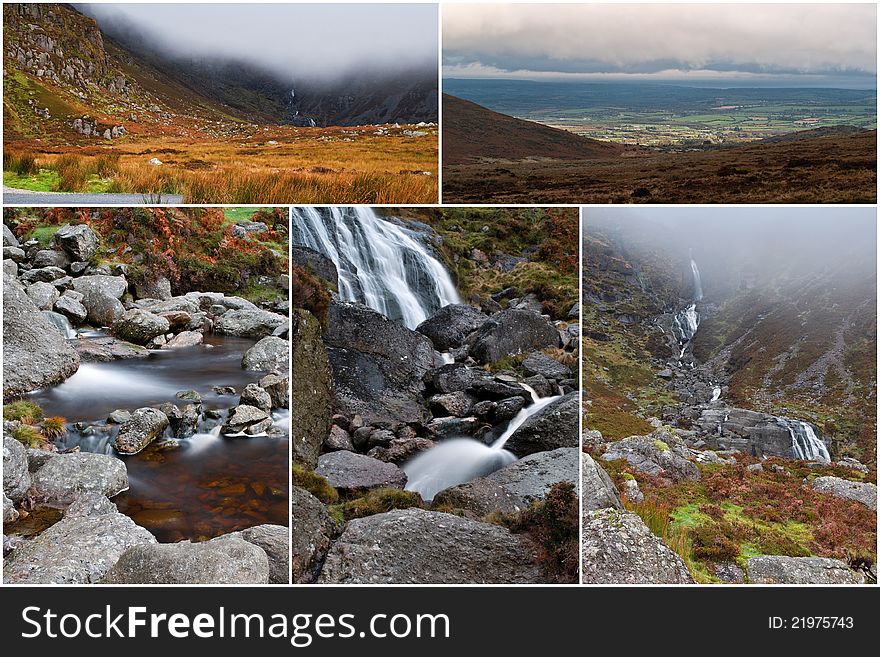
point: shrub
(315, 484)
(709, 542)
(54, 427)
(23, 411)
(23, 164)
(28, 435)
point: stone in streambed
(352, 474)
(246, 420)
(106, 349)
(278, 387)
(254, 395)
(142, 428)
(71, 307)
(267, 355)
(556, 425)
(184, 339)
(273, 540)
(140, 326)
(102, 309)
(66, 476)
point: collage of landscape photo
(343, 294)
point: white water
(459, 460)
(61, 322)
(380, 264)
(805, 444)
(698, 283)
(716, 394)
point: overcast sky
(818, 42)
(311, 40)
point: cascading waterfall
(716, 394)
(380, 264)
(459, 460)
(698, 284)
(805, 444)
(61, 322)
(687, 321)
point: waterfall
(698, 284)
(805, 444)
(459, 460)
(61, 322)
(716, 394)
(380, 264)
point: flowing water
(380, 264)
(204, 486)
(459, 460)
(805, 444)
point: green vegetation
(315, 484)
(380, 500)
(22, 411)
(28, 436)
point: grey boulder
(449, 326)
(864, 493)
(512, 332)
(313, 530)
(79, 241)
(351, 473)
(65, 476)
(142, 428)
(800, 570)
(269, 354)
(554, 426)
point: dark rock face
(378, 365)
(79, 241)
(79, 549)
(456, 377)
(351, 473)
(800, 570)
(515, 486)
(313, 530)
(312, 407)
(450, 325)
(35, 354)
(319, 264)
(222, 560)
(659, 455)
(142, 428)
(597, 489)
(554, 426)
(537, 363)
(512, 332)
(618, 548)
(414, 546)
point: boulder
(353, 474)
(254, 395)
(102, 309)
(79, 241)
(15, 254)
(246, 420)
(42, 274)
(456, 404)
(273, 539)
(456, 377)
(512, 332)
(414, 546)
(540, 364)
(597, 489)
(185, 339)
(378, 365)
(79, 549)
(278, 387)
(35, 353)
(401, 450)
(142, 428)
(554, 426)
(249, 323)
(10, 268)
(64, 477)
(800, 570)
(315, 262)
(106, 348)
(659, 455)
(154, 288)
(16, 477)
(113, 286)
(71, 307)
(618, 548)
(140, 326)
(514, 487)
(43, 295)
(268, 355)
(9, 238)
(338, 440)
(449, 326)
(863, 493)
(313, 529)
(51, 258)
(222, 560)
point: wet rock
(597, 489)
(554, 426)
(456, 377)
(142, 428)
(105, 349)
(267, 355)
(65, 476)
(113, 286)
(618, 548)
(800, 570)
(246, 420)
(516, 486)
(507, 409)
(273, 539)
(254, 395)
(863, 493)
(278, 387)
(222, 560)
(401, 450)
(310, 260)
(185, 339)
(80, 241)
(451, 427)
(352, 474)
(119, 416)
(313, 529)
(189, 395)
(101, 308)
(414, 546)
(79, 549)
(659, 455)
(140, 326)
(538, 363)
(248, 323)
(378, 365)
(35, 353)
(450, 325)
(71, 307)
(16, 477)
(512, 332)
